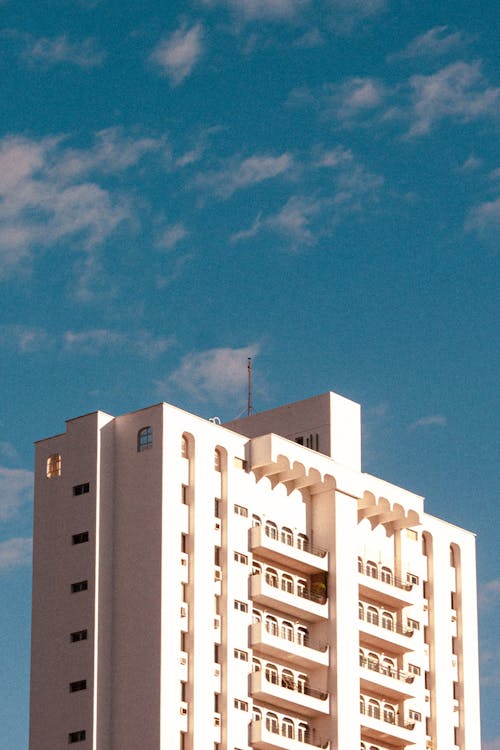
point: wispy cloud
(354, 97)
(177, 54)
(171, 236)
(15, 553)
(347, 14)
(432, 420)
(493, 744)
(252, 10)
(335, 157)
(484, 219)
(211, 375)
(435, 42)
(236, 174)
(46, 51)
(16, 486)
(458, 91)
(489, 594)
(470, 164)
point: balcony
(280, 643)
(374, 634)
(262, 738)
(392, 683)
(397, 732)
(385, 587)
(296, 552)
(295, 697)
(303, 604)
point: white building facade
(208, 587)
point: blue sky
(313, 183)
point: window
(256, 569)
(386, 575)
(184, 494)
(54, 466)
(412, 579)
(144, 439)
(77, 736)
(301, 587)
(360, 565)
(271, 625)
(256, 520)
(361, 611)
(241, 558)
(287, 680)
(272, 723)
(303, 732)
(414, 715)
(271, 530)
(74, 687)
(302, 635)
(241, 655)
(241, 705)
(387, 621)
(240, 510)
(302, 682)
(271, 577)
(413, 669)
(302, 541)
(287, 729)
(373, 709)
(81, 489)
(256, 665)
(217, 460)
(240, 606)
(257, 714)
(287, 536)
(79, 586)
(412, 534)
(80, 538)
(287, 630)
(256, 616)
(413, 624)
(389, 713)
(271, 674)
(78, 635)
(389, 667)
(287, 583)
(372, 615)
(371, 569)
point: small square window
(240, 510)
(78, 635)
(241, 705)
(79, 586)
(81, 489)
(413, 669)
(241, 558)
(241, 655)
(79, 736)
(74, 687)
(240, 606)
(414, 715)
(80, 538)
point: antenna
(249, 402)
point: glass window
(372, 615)
(272, 577)
(271, 625)
(54, 466)
(371, 569)
(287, 680)
(144, 439)
(373, 709)
(272, 723)
(287, 583)
(287, 536)
(303, 541)
(271, 673)
(386, 575)
(287, 729)
(271, 530)
(387, 621)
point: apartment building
(200, 586)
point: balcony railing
(385, 577)
(304, 593)
(408, 632)
(396, 674)
(306, 736)
(298, 687)
(397, 721)
(299, 543)
(301, 640)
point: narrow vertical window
(144, 439)
(54, 466)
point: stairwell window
(144, 439)
(54, 466)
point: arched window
(287, 680)
(301, 587)
(387, 621)
(302, 635)
(302, 682)
(303, 541)
(272, 577)
(287, 630)
(272, 724)
(372, 615)
(256, 665)
(287, 536)
(184, 447)
(389, 713)
(287, 583)
(371, 569)
(386, 575)
(302, 731)
(388, 667)
(373, 661)
(256, 714)
(373, 709)
(256, 520)
(361, 611)
(256, 568)
(361, 704)
(256, 615)
(287, 729)
(362, 658)
(217, 460)
(271, 625)
(360, 565)
(271, 673)
(54, 466)
(144, 439)
(271, 530)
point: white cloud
(347, 14)
(353, 98)
(457, 91)
(432, 420)
(16, 486)
(15, 553)
(178, 53)
(103, 339)
(84, 54)
(293, 221)
(470, 164)
(171, 236)
(493, 744)
(8, 451)
(26, 339)
(251, 10)
(237, 174)
(485, 219)
(335, 157)
(489, 594)
(435, 42)
(212, 375)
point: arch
(256, 615)
(271, 530)
(271, 673)
(256, 664)
(372, 615)
(386, 575)
(144, 438)
(301, 587)
(373, 709)
(387, 620)
(54, 466)
(256, 714)
(302, 635)
(272, 724)
(373, 661)
(287, 583)
(302, 683)
(288, 728)
(303, 731)
(361, 611)
(287, 679)
(389, 713)
(272, 577)
(256, 568)
(371, 569)
(272, 624)
(287, 630)
(287, 536)
(389, 667)
(303, 541)
(256, 520)
(361, 704)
